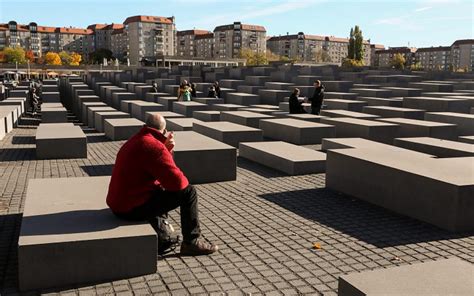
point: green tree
(65, 58)
(14, 55)
(398, 61)
(321, 56)
(355, 48)
(253, 58)
(99, 55)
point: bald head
(156, 121)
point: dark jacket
(154, 89)
(218, 91)
(318, 96)
(193, 92)
(296, 106)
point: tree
(253, 58)
(75, 59)
(65, 58)
(271, 57)
(355, 48)
(351, 63)
(52, 58)
(321, 56)
(2, 57)
(30, 56)
(14, 55)
(99, 55)
(398, 61)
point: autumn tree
(253, 58)
(398, 61)
(355, 49)
(30, 56)
(14, 55)
(52, 58)
(65, 58)
(321, 56)
(2, 57)
(75, 59)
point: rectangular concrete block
(306, 116)
(250, 89)
(300, 132)
(92, 110)
(280, 86)
(118, 97)
(373, 101)
(438, 147)
(404, 91)
(209, 101)
(350, 105)
(50, 97)
(227, 107)
(60, 140)
(242, 99)
(99, 118)
(204, 160)
(442, 277)
(67, 228)
(165, 114)
(423, 128)
(53, 114)
(432, 87)
(387, 111)
(272, 96)
(207, 115)
(187, 108)
(86, 105)
(167, 101)
(466, 139)
(373, 130)
(153, 97)
(288, 158)
(432, 104)
(247, 118)
(181, 124)
(465, 122)
(338, 95)
(118, 129)
(345, 113)
(139, 109)
(228, 132)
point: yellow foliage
(52, 58)
(75, 59)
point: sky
(416, 23)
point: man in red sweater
(146, 184)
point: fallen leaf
(317, 246)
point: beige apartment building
(186, 42)
(462, 54)
(204, 45)
(314, 48)
(373, 56)
(385, 56)
(150, 37)
(229, 40)
(434, 58)
(119, 45)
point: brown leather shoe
(199, 248)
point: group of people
(296, 103)
(186, 91)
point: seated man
(146, 183)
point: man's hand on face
(170, 142)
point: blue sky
(392, 23)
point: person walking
(296, 105)
(317, 98)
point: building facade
(150, 38)
(230, 40)
(462, 55)
(385, 56)
(186, 42)
(313, 48)
(374, 61)
(119, 45)
(204, 45)
(434, 58)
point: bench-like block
(70, 237)
(187, 108)
(139, 108)
(228, 132)
(300, 132)
(251, 119)
(99, 118)
(284, 157)
(60, 140)
(423, 128)
(438, 147)
(207, 115)
(53, 115)
(465, 122)
(181, 124)
(242, 99)
(443, 277)
(118, 129)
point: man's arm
(164, 169)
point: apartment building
(186, 42)
(462, 54)
(317, 48)
(150, 37)
(119, 45)
(374, 61)
(385, 56)
(204, 45)
(434, 58)
(103, 35)
(229, 40)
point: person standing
(193, 90)
(154, 88)
(317, 98)
(217, 88)
(2, 91)
(296, 106)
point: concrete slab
(350, 105)
(118, 129)
(442, 277)
(368, 129)
(53, 114)
(279, 85)
(139, 109)
(250, 89)
(228, 132)
(300, 132)
(466, 139)
(165, 114)
(423, 128)
(372, 92)
(118, 97)
(86, 105)
(204, 160)
(284, 157)
(272, 96)
(387, 111)
(227, 107)
(247, 118)
(432, 104)
(181, 124)
(60, 140)
(242, 99)
(50, 97)
(345, 113)
(338, 95)
(167, 101)
(404, 91)
(207, 115)
(209, 101)
(465, 122)
(438, 147)
(67, 227)
(373, 101)
(91, 113)
(99, 118)
(306, 116)
(187, 108)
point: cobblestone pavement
(265, 223)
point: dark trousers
(316, 107)
(162, 202)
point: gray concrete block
(280, 86)
(466, 139)
(465, 122)
(432, 87)
(242, 99)
(350, 105)
(139, 108)
(118, 97)
(347, 127)
(142, 90)
(300, 132)
(284, 157)
(50, 97)
(306, 116)
(60, 140)
(272, 96)
(404, 91)
(6, 117)
(257, 110)
(372, 92)
(257, 80)
(345, 113)
(53, 114)
(247, 118)
(94, 109)
(423, 128)
(207, 115)
(153, 97)
(86, 105)
(187, 108)
(181, 124)
(167, 101)
(437, 147)
(227, 107)
(231, 83)
(204, 160)
(250, 89)
(373, 101)
(442, 277)
(118, 129)
(442, 195)
(67, 228)
(433, 104)
(228, 132)
(99, 118)
(165, 114)
(337, 95)
(209, 101)
(387, 111)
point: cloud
(423, 8)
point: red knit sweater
(143, 165)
